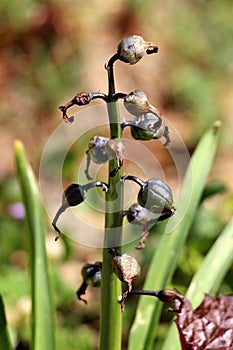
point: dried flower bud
(126, 268)
(81, 99)
(132, 48)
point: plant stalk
(110, 315)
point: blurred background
(49, 51)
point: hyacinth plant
(154, 196)
(117, 270)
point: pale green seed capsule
(136, 102)
(132, 48)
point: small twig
(82, 291)
(62, 208)
(81, 99)
(164, 295)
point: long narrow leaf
(42, 310)
(4, 335)
(208, 278)
(165, 258)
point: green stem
(110, 316)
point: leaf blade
(4, 335)
(147, 315)
(42, 309)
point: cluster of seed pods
(154, 196)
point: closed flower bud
(132, 48)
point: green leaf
(4, 336)
(208, 278)
(165, 258)
(42, 317)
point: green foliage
(42, 305)
(4, 336)
(170, 246)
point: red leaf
(209, 326)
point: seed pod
(101, 149)
(96, 152)
(74, 195)
(132, 48)
(148, 126)
(126, 268)
(91, 274)
(136, 102)
(148, 123)
(138, 215)
(115, 149)
(154, 195)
